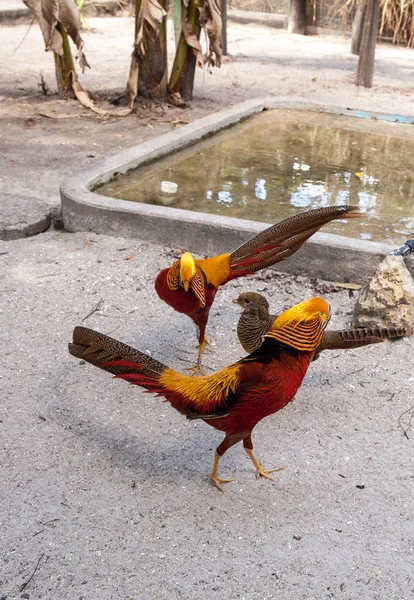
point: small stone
(388, 300)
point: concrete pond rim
(328, 256)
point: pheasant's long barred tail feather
(270, 255)
(111, 355)
(356, 338)
(283, 239)
(385, 333)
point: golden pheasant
(190, 285)
(255, 321)
(234, 399)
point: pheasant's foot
(197, 369)
(262, 472)
(217, 480)
(214, 473)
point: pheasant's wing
(251, 331)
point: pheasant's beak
(186, 285)
(235, 301)
(325, 317)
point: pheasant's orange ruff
(305, 336)
(301, 327)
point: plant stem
(183, 71)
(153, 65)
(64, 65)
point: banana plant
(58, 22)
(149, 57)
(148, 71)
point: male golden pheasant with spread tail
(255, 321)
(234, 399)
(190, 285)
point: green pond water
(280, 163)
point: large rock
(388, 300)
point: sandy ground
(103, 493)
(262, 62)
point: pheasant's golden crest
(187, 269)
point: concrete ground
(103, 489)
(104, 485)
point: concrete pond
(248, 165)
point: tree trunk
(297, 17)
(64, 65)
(152, 67)
(369, 39)
(182, 75)
(357, 29)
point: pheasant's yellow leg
(202, 346)
(207, 343)
(260, 470)
(198, 368)
(227, 443)
(214, 474)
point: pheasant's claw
(262, 472)
(197, 369)
(217, 480)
